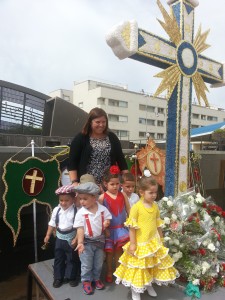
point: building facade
(134, 116)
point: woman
(95, 149)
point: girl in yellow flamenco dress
(145, 260)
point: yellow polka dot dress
(150, 262)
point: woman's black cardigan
(80, 153)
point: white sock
(135, 295)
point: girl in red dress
(118, 205)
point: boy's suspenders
(90, 232)
(57, 216)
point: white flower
(165, 199)
(177, 256)
(196, 281)
(167, 220)
(174, 217)
(167, 238)
(169, 203)
(217, 219)
(176, 242)
(217, 244)
(206, 242)
(190, 198)
(147, 173)
(198, 200)
(198, 195)
(211, 247)
(205, 267)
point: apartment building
(133, 115)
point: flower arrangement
(194, 230)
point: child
(66, 265)
(128, 185)
(91, 221)
(145, 259)
(118, 205)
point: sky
(47, 45)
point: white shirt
(133, 199)
(95, 219)
(66, 218)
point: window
(194, 126)
(101, 101)
(142, 134)
(152, 135)
(160, 136)
(116, 118)
(203, 117)
(123, 104)
(21, 111)
(195, 116)
(123, 118)
(212, 118)
(149, 121)
(160, 123)
(142, 121)
(147, 108)
(160, 110)
(121, 133)
(66, 97)
(118, 103)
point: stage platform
(42, 274)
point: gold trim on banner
(16, 234)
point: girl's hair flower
(114, 170)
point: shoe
(74, 282)
(99, 285)
(109, 278)
(135, 295)
(151, 291)
(57, 283)
(87, 288)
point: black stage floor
(43, 273)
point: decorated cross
(183, 64)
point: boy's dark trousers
(66, 263)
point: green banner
(25, 182)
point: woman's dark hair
(93, 114)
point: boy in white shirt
(66, 264)
(128, 186)
(90, 222)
